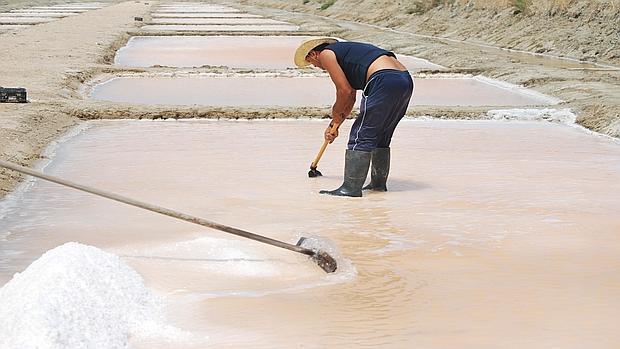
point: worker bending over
(387, 88)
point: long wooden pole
(157, 209)
(315, 163)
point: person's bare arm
(345, 94)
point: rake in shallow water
(322, 258)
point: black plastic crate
(13, 95)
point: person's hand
(330, 135)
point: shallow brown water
(25, 20)
(267, 52)
(493, 234)
(205, 15)
(222, 27)
(49, 10)
(206, 21)
(38, 14)
(66, 7)
(13, 27)
(293, 92)
(196, 9)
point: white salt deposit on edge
(77, 296)
(220, 257)
(10, 203)
(565, 116)
(520, 89)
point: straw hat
(306, 47)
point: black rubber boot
(356, 165)
(380, 169)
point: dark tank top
(354, 58)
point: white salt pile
(76, 296)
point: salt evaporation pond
(37, 14)
(207, 21)
(294, 91)
(221, 27)
(268, 52)
(205, 15)
(25, 20)
(50, 11)
(10, 27)
(67, 7)
(493, 234)
(196, 9)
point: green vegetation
(421, 6)
(417, 7)
(327, 4)
(521, 5)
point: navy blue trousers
(384, 102)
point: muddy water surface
(37, 14)
(493, 234)
(294, 92)
(240, 21)
(67, 7)
(48, 10)
(266, 52)
(25, 20)
(222, 27)
(205, 15)
(195, 9)
(12, 27)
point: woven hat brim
(305, 47)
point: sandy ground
(41, 58)
(53, 60)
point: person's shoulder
(342, 45)
(335, 44)
(356, 44)
(327, 53)
(345, 43)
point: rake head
(314, 172)
(321, 258)
(325, 261)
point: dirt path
(40, 58)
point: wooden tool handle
(157, 209)
(322, 150)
